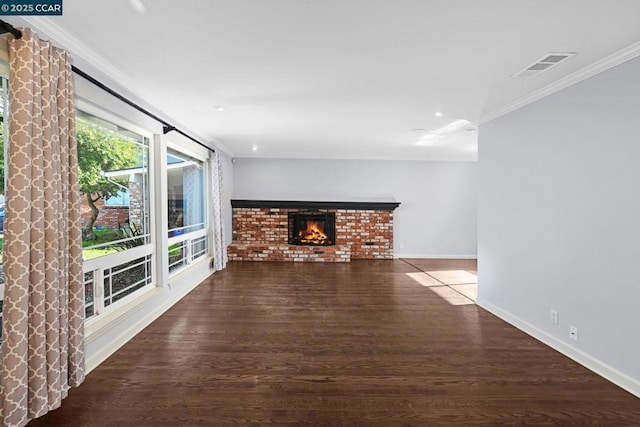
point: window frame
(201, 154)
(98, 265)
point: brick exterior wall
(109, 216)
(116, 216)
(260, 234)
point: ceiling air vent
(546, 62)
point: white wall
(559, 220)
(437, 215)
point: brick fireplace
(300, 231)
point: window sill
(103, 322)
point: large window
(186, 200)
(143, 206)
(118, 229)
(185, 184)
(113, 162)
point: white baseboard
(125, 328)
(432, 256)
(622, 380)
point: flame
(313, 234)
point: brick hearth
(267, 252)
(260, 233)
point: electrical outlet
(573, 333)
(554, 316)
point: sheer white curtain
(193, 206)
(217, 220)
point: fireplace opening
(312, 228)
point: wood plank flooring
(328, 344)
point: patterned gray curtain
(217, 223)
(43, 346)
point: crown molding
(597, 67)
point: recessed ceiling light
(255, 148)
(438, 114)
(219, 107)
(138, 5)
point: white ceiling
(341, 78)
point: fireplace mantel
(301, 204)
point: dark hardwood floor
(337, 344)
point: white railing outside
(105, 278)
(186, 248)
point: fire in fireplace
(312, 228)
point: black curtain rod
(166, 127)
(5, 27)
